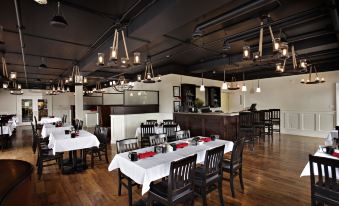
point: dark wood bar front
(225, 125)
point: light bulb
(244, 88)
(276, 45)
(149, 76)
(302, 81)
(139, 78)
(258, 90)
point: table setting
(50, 120)
(329, 150)
(158, 128)
(152, 163)
(47, 129)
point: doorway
(27, 110)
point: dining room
(156, 102)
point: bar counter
(204, 124)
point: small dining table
(61, 142)
(50, 120)
(47, 129)
(144, 171)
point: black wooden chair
(178, 187)
(126, 145)
(182, 134)
(64, 118)
(325, 188)
(147, 130)
(168, 121)
(170, 130)
(102, 136)
(246, 127)
(157, 139)
(233, 166)
(275, 119)
(268, 123)
(151, 121)
(259, 123)
(4, 138)
(37, 126)
(46, 156)
(209, 176)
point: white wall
(306, 109)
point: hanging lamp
(149, 73)
(202, 86)
(310, 80)
(58, 20)
(244, 87)
(258, 90)
(121, 84)
(224, 84)
(233, 85)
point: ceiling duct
(241, 13)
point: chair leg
(231, 184)
(92, 159)
(203, 196)
(241, 180)
(220, 192)
(119, 183)
(129, 185)
(106, 156)
(40, 169)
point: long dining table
(144, 171)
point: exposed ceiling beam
(47, 57)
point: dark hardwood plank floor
(271, 176)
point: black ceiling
(163, 29)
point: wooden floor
(271, 176)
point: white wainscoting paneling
(307, 123)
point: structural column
(79, 102)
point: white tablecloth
(49, 120)
(157, 129)
(60, 142)
(47, 129)
(145, 171)
(307, 172)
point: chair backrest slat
(237, 151)
(326, 183)
(182, 134)
(127, 145)
(168, 121)
(181, 176)
(151, 121)
(246, 119)
(170, 129)
(147, 130)
(157, 139)
(213, 161)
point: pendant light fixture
(43, 63)
(149, 73)
(16, 89)
(244, 87)
(280, 67)
(124, 61)
(76, 78)
(202, 86)
(258, 90)
(224, 84)
(246, 54)
(316, 80)
(121, 84)
(98, 88)
(58, 20)
(234, 85)
(4, 72)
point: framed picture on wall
(176, 91)
(176, 106)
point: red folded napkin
(335, 154)
(146, 154)
(181, 145)
(206, 139)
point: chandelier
(51, 91)
(121, 84)
(61, 87)
(149, 74)
(233, 85)
(87, 92)
(280, 47)
(16, 89)
(316, 80)
(98, 88)
(76, 78)
(124, 61)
